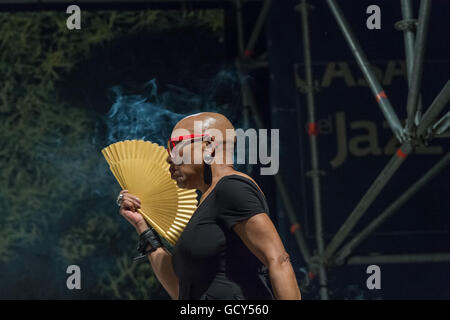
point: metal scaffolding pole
(429, 117)
(315, 173)
(370, 196)
(345, 251)
(434, 110)
(414, 54)
(240, 39)
(368, 73)
(249, 100)
(401, 154)
(240, 27)
(401, 258)
(441, 126)
(298, 233)
(257, 29)
(417, 68)
(408, 26)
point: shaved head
(217, 136)
(207, 123)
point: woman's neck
(217, 172)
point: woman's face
(183, 170)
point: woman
(230, 248)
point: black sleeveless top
(209, 258)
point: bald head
(208, 123)
(215, 129)
(207, 151)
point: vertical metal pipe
(417, 68)
(240, 38)
(348, 248)
(368, 73)
(298, 234)
(246, 120)
(408, 36)
(370, 196)
(249, 100)
(314, 152)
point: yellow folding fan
(141, 168)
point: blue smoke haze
(150, 115)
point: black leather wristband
(148, 238)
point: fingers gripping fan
(140, 167)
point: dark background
(134, 70)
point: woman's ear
(211, 145)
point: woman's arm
(261, 237)
(160, 259)
(161, 262)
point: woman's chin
(180, 182)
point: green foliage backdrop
(51, 170)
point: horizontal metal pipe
(400, 258)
